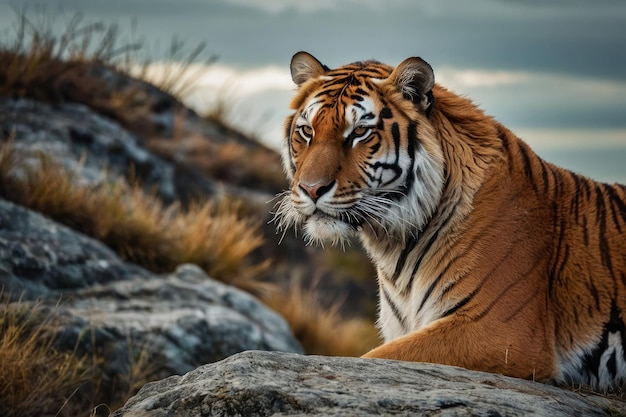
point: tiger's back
(488, 257)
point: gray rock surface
(41, 258)
(96, 147)
(180, 320)
(264, 384)
(98, 303)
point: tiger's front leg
(460, 342)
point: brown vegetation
(322, 330)
(137, 225)
(35, 379)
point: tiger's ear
(415, 79)
(305, 66)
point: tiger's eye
(306, 131)
(360, 131)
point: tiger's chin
(320, 229)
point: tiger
(487, 256)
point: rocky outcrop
(263, 384)
(43, 259)
(96, 147)
(98, 303)
(179, 321)
(101, 145)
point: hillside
(121, 210)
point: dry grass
(41, 65)
(180, 73)
(35, 378)
(138, 226)
(214, 237)
(45, 66)
(322, 330)
(231, 162)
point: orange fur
(506, 263)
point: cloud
(573, 139)
(221, 77)
(597, 153)
(255, 100)
(307, 6)
(558, 110)
(456, 78)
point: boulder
(99, 304)
(40, 258)
(271, 383)
(96, 147)
(179, 321)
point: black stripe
(522, 306)
(618, 207)
(502, 135)
(621, 204)
(428, 292)
(601, 220)
(594, 291)
(355, 105)
(287, 125)
(410, 245)
(557, 182)
(288, 135)
(575, 207)
(432, 240)
(411, 138)
(336, 81)
(562, 259)
(611, 365)
(470, 247)
(437, 280)
(496, 301)
(460, 304)
(394, 308)
(585, 231)
(395, 133)
(544, 174)
(527, 165)
(560, 227)
(587, 189)
(386, 113)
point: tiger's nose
(316, 190)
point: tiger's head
(360, 151)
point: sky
(553, 71)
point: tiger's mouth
(346, 217)
(322, 227)
(321, 214)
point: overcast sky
(552, 70)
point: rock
(96, 147)
(100, 304)
(182, 320)
(41, 258)
(262, 384)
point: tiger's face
(359, 150)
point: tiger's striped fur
(488, 257)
